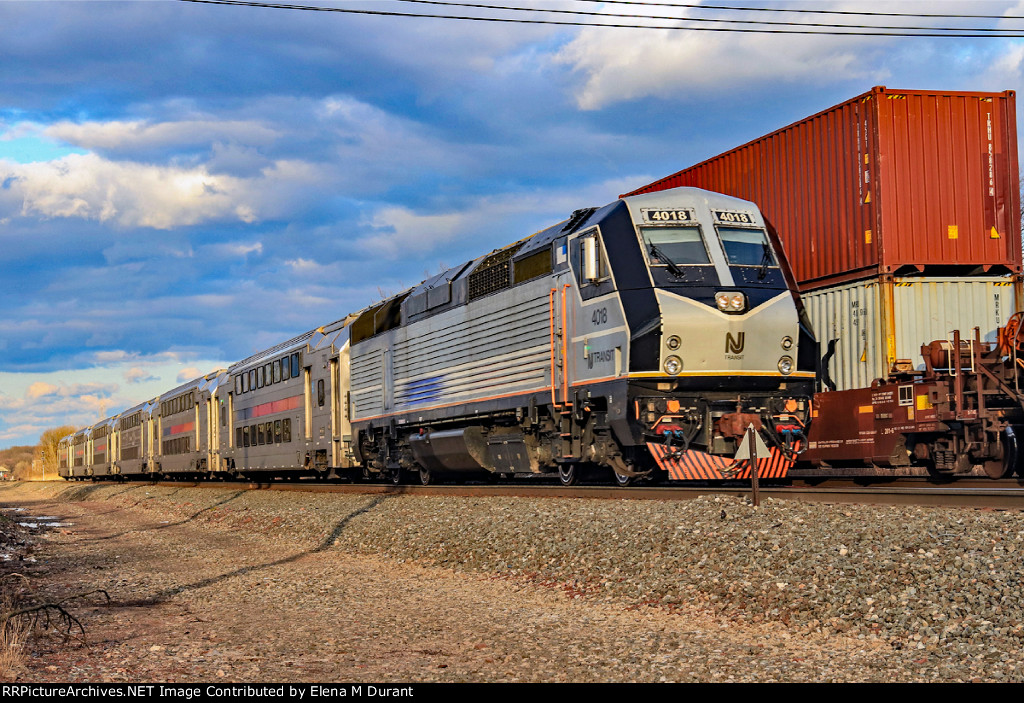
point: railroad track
(1004, 495)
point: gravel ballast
(866, 593)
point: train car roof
(191, 385)
(109, 421)
(140, 406)
(318, 338)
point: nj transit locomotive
(642, 338)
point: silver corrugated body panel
(924, 309)
(498, 345)
(368, 384)
(491, 354)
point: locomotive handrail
(564, 360)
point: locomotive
(642, 340)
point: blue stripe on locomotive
(424, 390)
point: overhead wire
(862, 13)
(703, 19)
(925, 32)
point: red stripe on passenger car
(276, 406)
(179, 429)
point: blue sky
(182, 185)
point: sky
(182, 185)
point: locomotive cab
(716, 339)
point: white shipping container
(881, 321)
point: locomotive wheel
(568, 474)
(396, 477)
(426, 478)
(623, 481)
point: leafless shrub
(23, 616)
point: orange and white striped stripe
(693, 465)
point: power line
(966, 34)
(706, 19)
(803, 10)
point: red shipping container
(888, 183)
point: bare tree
(48, 448)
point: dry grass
(14, 630)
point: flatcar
(962, 415)
(642, 340)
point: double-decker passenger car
(135, 436)
(284, 410)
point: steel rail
(1003, 495)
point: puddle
(39, 522)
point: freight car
(962, 415)
(641, 339)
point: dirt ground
(193, 602)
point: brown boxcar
(888, 183)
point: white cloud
(675, 64)
(137, 375)
(188, 373)
(235, 249)
(33, 402)
(130, 194)
(39, 389)
(134, 135)
(402, 232)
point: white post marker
(750, 448)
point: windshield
(675, 246)
(746, 247)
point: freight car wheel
(1005, 466)
(568, 474)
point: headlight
(673, 365)
(787, 343)
(673, 342)
(786, 365)
(730, 302)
